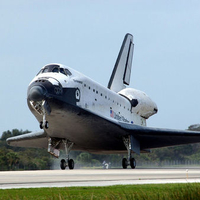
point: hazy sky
(87, 35)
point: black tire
(124, 163)
(63, 164)
(41, 125)
(46, 124)
(133, 163)
(71, 164)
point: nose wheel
(45, 110)
(44, 124)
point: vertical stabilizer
(122, 70)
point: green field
(144, 192)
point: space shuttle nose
(36, 93)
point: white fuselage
(100, 100)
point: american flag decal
(111, 113)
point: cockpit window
(65, 72)
(68, 72)
(62, 71)
(55, 69)
(45, 70)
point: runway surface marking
(95, 177)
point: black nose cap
(36, 93)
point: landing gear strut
(68, 162)
(45, 110)
(130, 161)
(53, 149)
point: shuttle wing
(33, 139)
(122, 70)
(158, 137)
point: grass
(136, 192)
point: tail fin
(122, 70)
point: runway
(95, 177)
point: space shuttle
(76, 113)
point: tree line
(18, 158)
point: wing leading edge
(33, 139)
(149, 138)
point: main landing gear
(130, 161)
(68, 162)
(53, 149)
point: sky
(86, 35)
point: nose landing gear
(45, 110)
(44, 124)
